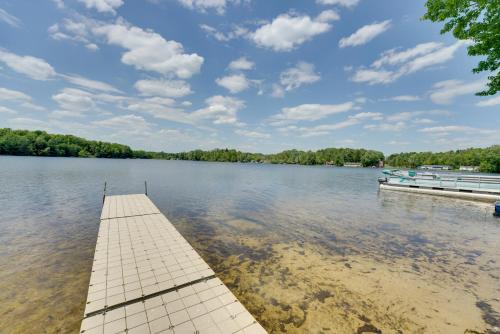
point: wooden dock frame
(146, 278)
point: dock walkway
(146, 278)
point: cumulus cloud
(277, 91)
(13, 95)
(34, 68)
(287, 31)
(252, 134)
(220, 110)
(236, 32)
(444, 92)
(344, 3)
(203, 5)
(241, 64)
(310, 112)
(301, 74)
(9, 19)
(446, 129)
(327, 16)
(103, 6)
(78, 30)
(235, 83)
(129, 123)
(319, 130)
(7, 110)
(393, 64)
(162, 87)
(403, 98)
(365, 34)
(162, 108)
(90, 84)
(494, 101)
(20, 98)
(149, 51)
(74, 99)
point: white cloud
(444, 92)
(344, 3)
(9, 19)
(203, 5)
(494, 101)
(129, 123)
(252, 134)
(59, 3)
(149, 51)
(236, 32)
(90, 84)
(393, 64)
(78, 29)
(403, 98)
(72, 99)
(162, 108)
(103, 6)
(387, 127)
(277, 91)
(446, 129)
(241, 64)
(411, 115)
(376, 116)
(235, 83)
(395, 57)
(35, 68)
(423, 121)
(327, 16)
(373, 76)
(287, 31)
(302, 73)
(166, 88)
(66, 113)
(220, 109)
(13, 95)
(7, 110)
(310, 112)
(319, 130)
(365, 34)
(21, 98)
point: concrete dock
(146, 278)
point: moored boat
(481, 187)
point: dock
(146, 278)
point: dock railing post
(104, 193)
(145, 188)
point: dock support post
(104, 193)
(145, 188)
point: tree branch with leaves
(477, 21)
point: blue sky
(262, 76)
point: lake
(305, 249)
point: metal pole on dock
(145, 188)
(104, 193)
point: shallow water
(306, 249)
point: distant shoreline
(41, 143)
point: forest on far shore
(41, 143)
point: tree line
(41, 143)
(488, 159)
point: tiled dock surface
(146, 278)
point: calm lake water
(306, 249)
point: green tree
(477, 21)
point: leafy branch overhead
(477, 21)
